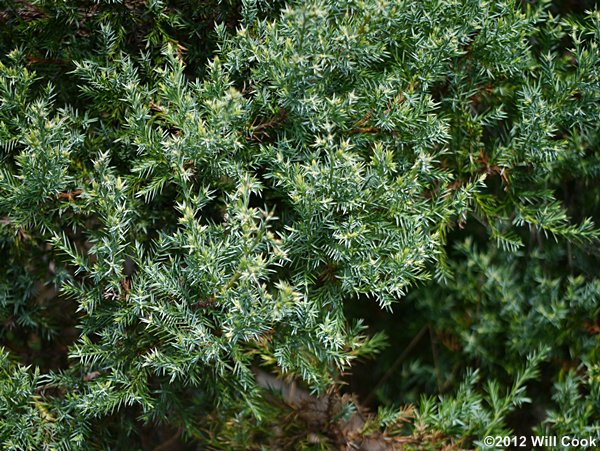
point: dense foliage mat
(321, 224)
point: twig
(434, 354)
(398, 362)
(166, 445)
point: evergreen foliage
(213, 213)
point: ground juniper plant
(320, 224)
